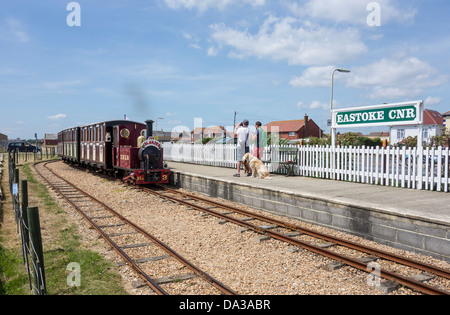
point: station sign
(409, 113)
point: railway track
(294, 235)
(125, 237)
(289, 233)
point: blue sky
(184, 59)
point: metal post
(420, 148)
(24, 210)
(15, 197)
(24, 229)
(333, 130)
(331, 107)
(37, 254)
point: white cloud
(204, 5)
(14, 30)
(396, 77)
(430, 101)
(57, 117)
(352, 11)
(57, 85)
(290, 40)
(193, 40)
(213, 51)
(314, 105)
(314, 77)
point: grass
(13, 277)
(62, 246)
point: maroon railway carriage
(119, 148)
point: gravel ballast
(235, 258)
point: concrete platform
(403, 218)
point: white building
(447, 122)
(432, 126)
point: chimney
(149, 128)
(306, 126)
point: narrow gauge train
(119, 148)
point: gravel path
(236, 259)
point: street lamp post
(332, 130)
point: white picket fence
(398, 167)
(213, 155)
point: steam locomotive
(120, 148)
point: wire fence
(44, 154)
(28, 227)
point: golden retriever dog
(247, 169)
(255, 164)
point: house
(50, 140)
(432, 126)
(446, 117)
(3, 142)
(209, 132)
(163, 136)
(295, 129)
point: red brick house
(295, 129)
(209, 132)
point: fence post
(26, 237)
(15, 197)
(37, 254)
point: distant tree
(206, 140)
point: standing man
(243, 144)
(260, 139)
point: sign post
(408, 113)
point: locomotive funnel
(149, 128)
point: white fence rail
(427, 169)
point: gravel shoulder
(234, 258)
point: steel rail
(150, 282)
(360, 247)
(222, 288)
(413, 284)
